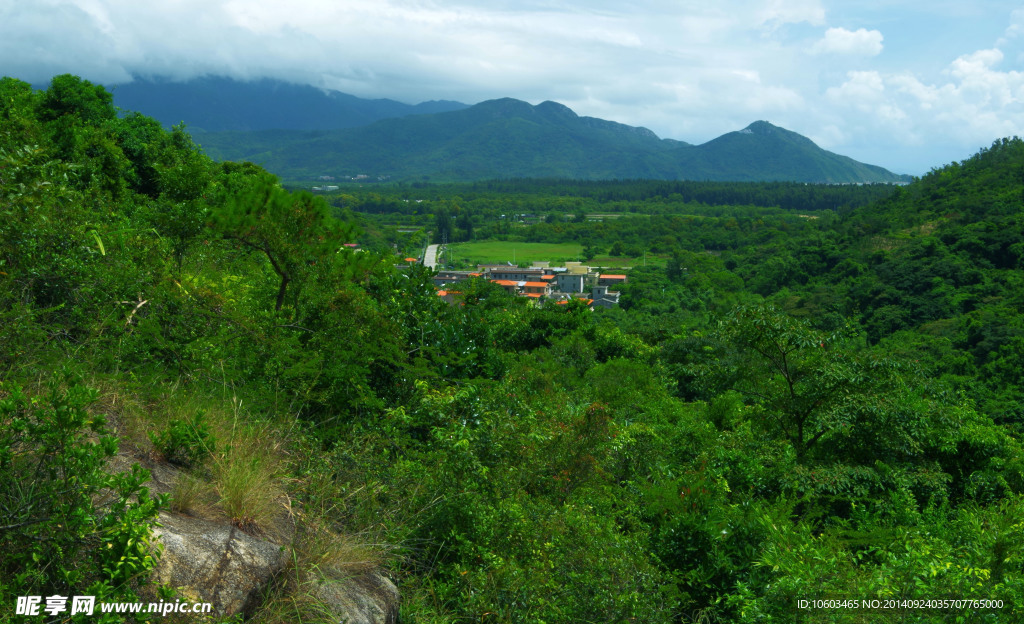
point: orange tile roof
(611, 277)
(442, 293)
(411, 260)
(505, 282)
(547, 277)
(534, 295)
(536, 284)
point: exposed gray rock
(368, 598)
(215, 563)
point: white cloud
(778, 12)
(862, 89)
(687, 69)
(859, 42)
(975, 105)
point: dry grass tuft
(187, 492)
(247, 471)
(334, 555)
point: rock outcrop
(215, 563)
(368, 598)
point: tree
(69, 95)
(443, 225)
(293, 231)
(812, 385)
(465, 223)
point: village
(539, 282)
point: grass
(245, 480)
(247, 473)
(495, 252)
(318, 558)
(187, 493)
(242, 471)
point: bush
(184, 442)
(68, 526)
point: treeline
(644, 196)
(793, 409)
(788, 195)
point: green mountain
(763, 152)
(508, 138)
(219, 104)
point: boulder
(215, 563)
(367, 598)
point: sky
(905, 84)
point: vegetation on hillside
(792, 408)
(507, 138)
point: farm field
(493, 252)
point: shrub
(184, 442)
(68, 526)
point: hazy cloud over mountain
(907, 85)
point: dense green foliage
(69, 526)
(792, 408)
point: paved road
(430, 257)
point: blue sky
(906, 85)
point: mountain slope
(764, 152)
(509, 138)
(217, 104)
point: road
(430, 257)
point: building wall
(569, 283)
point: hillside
(763, 152)
(793, 406)
(509, 138)
(218, 104)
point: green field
(494, 252)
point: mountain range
(303, 133)
(218, 104)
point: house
(510, 286)
(515, 273)
(607, 279)
(540, 289)
(603, 298)
(570, 282)
(452, 277)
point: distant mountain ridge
(303, 133)
(508, 138)
(219, 104)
